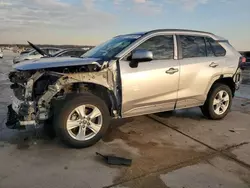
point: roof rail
(176, 30)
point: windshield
(111, 48)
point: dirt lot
(176, 150)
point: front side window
(193, 46)
(162, 47)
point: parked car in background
(246, 55)
(1, 53)
(129, 75)
(70, 53)
(26, 51)
(36, 53)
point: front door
(152, 86)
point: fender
(104, 78)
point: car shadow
(191, 113)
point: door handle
(213, 65)
(172, 71)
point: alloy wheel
(84, 122)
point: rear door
(198, 68)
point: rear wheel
(218, 102)
(82, 120)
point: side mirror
(140, 56)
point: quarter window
(216, 47)
(162, 47)
(193, 46)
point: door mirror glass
(142, 55)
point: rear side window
(217, 49)
(193, 46)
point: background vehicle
(1, 53)
(34, 54)
(70, 53)
(26, 51)
(129, 75)
(246, 54)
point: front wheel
(218, 102)
(82, 120)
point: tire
(211, 109)
(49, 129)
(68, 111)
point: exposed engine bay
(37, 91)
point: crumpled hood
(54, 62)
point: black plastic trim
(179, 47)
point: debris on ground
(236, 130)
(113, 160)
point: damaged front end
(38, 87)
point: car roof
(186, 31)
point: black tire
(68, 105)
(49, 129)
(208, 108)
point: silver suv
(129, 75)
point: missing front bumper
(15, 121)
(12, 119)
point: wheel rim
(221, 102)
(84, 122)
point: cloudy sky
(94, 21)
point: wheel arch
(98, 90)
(223, 79)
